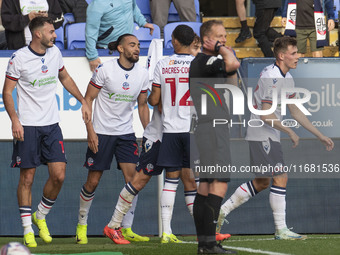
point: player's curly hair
(184, 34)
(281, 44)
(113, 46)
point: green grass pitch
(244, 245)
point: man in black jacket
(15, 19)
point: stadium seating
(144, 6)
(68, 19)
(143, 35)
(250, 49)
(59, 42)
(171, 26)
(75, 34)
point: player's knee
(58, 178)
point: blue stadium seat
(171, 26)
(75, 34)
(59, 42)
(68, 18)
(144, 6)
(88, 1)
(143, 35)
(173, 14)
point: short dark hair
(113, 46)
(206, 27)
(39, 22)
(281, 44)
(184, 34)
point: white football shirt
(270, 78)
(119, 90)
(172, 76)
(37, 79)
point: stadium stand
(59, 42)
(75, 34)
(171, 26)
(249, 48)
(143, 35)
(144, 6)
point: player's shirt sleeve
(60, 59)
(157, 75)
(98, 79)
(291, 84)
(13, 68)
(145, 81)
(265, 90)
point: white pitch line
(248, 249)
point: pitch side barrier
(311, 196)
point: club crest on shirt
(44, 69)
(126, 86)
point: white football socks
(277, 200)
(167, 203)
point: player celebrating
(264, 141)
(152, 138)
(116, 85)
(171, 88)
(35, 70)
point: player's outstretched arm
(300, 117)
(71, 87)
(143, 109)
(17, 129)
(272, 121)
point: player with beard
(116, 85)
(34, 70)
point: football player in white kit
(264, 141)
(116, 86)
(152, 137)
(34, 70)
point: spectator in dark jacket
(16, 15)
(76, 7)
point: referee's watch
(218, 46)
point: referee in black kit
(212, 142)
